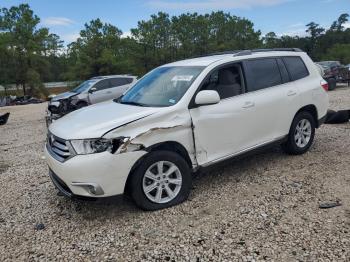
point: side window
(283, 70)
(120, 81)
(262, 73)
(103, 84)
(226, 81)
(296, 67)
(127, 80)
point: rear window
(120, 81)
(296, 68)
(262, 73)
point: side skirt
(242, 154)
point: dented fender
(157, 129)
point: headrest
(226, 77)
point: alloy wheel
(162, 182)
(302, 134)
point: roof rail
(249, 52)
(278, 49)
(232, 52)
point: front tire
(163, 179)
(301, 134)
(81, 105)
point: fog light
(92, 188)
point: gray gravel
(264, 207)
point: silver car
(95, 90)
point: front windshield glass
(162, 87)
(83, 86)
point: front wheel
(163, 179)
(301, 134)
(81, 105)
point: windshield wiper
(130, 103)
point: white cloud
(298, 29)
(195, 5)
(126, 34)
(70, 37)
(57, 21)
(347, 25)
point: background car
(332, 70)
(95, 90)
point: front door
(221, 129)
(102, 92)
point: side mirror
(92, 89)
(207, 97)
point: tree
(26, 45)
(339, 52)
(339, 24)
(96, 51)
(271, 40)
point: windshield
(162, 87)
(83, 86)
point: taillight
(324, 84)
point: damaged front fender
(129, 144)
(143, 134)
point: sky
(67, 17)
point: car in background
(95, 90)
(332, 72)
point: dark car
(332, 72)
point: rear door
(275, 99)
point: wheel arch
(172, 146)
(312, 110)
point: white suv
(184, 116)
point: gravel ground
(264, 207)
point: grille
(59, 148)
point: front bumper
(94, 175)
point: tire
(81, 105)
(299, 143)
(139, 182)
(332, 84)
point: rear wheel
(301, 134)
(163, 179)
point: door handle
(109, 92)
(248, 104)
(291, 93)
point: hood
(64, 95)
(96, 120)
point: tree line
(31, 55)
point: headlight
(91, 146)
